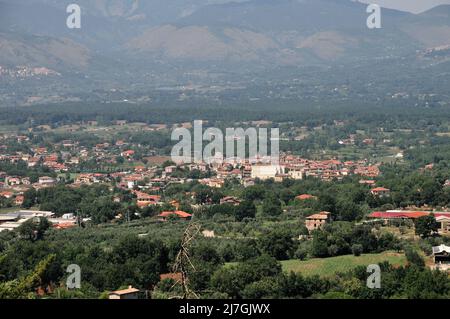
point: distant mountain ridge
(257, 32)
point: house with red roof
(18, 201)
(305, 197)
(127, 154)
(6, 194)
(230, 200)
(144, 199)
(404, 214)
(380, 192)
(175, 214)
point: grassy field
(326, 267)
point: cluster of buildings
(26, 72)
(13, 220)
(295, 167)
(12, 187)
(443, 218)
(318, 220)
(68, 155)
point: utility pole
(183, 261)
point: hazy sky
(409, 5)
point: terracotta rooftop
(179, 213)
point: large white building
(267, 171)
(11, 221)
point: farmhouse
(317, 221)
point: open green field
(326, 267)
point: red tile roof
(380, 189)
(305, 197)
(406, 214)
(178, 213)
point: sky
(415, 6)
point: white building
(10, 221)
(441, 255)
(266, 171)
(46, 180)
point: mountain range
(241, 36)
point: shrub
(357, 249)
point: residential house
(144, 199)
(441, 256)
(46, 180)
(127, 154)
(6, 194)
(380, 192)
(129, 293)
(230, 200)
(369, 182)
(175, 214)
(18, 201)
(12, 180)
(317, 221)
(444, 221)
